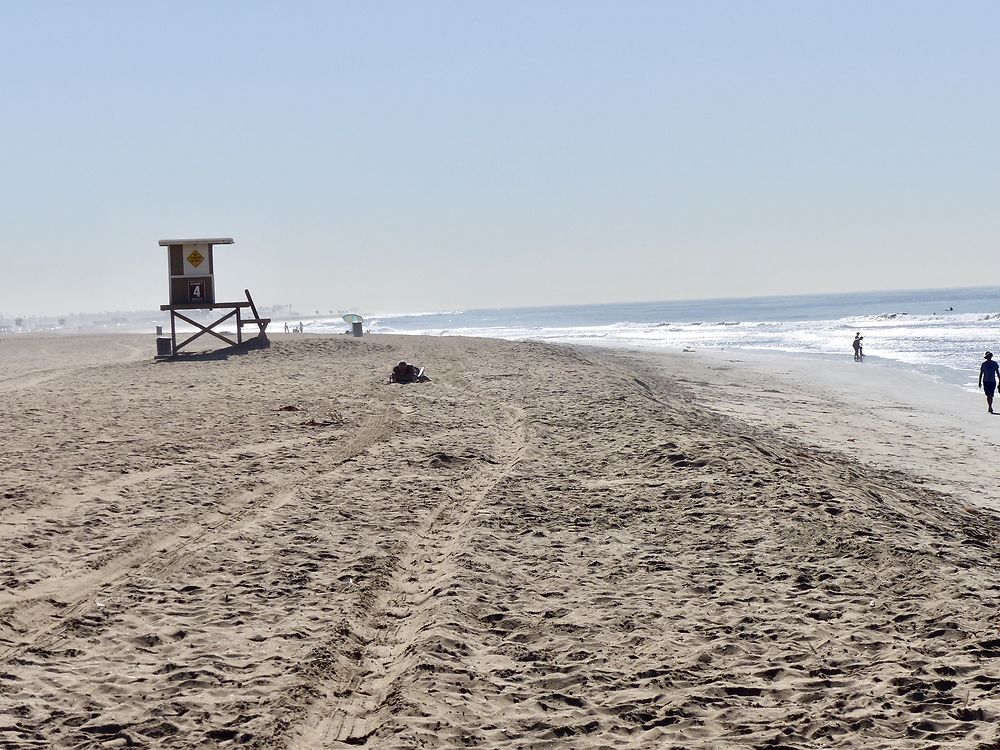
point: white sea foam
(900, 328)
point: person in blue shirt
(988, 378)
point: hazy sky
(405, 156)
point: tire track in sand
(66, 503)
(351, 707)
(40, 619)
(33, 378)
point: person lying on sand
(407, 373)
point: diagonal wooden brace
(205, 329)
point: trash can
(164, 346)
(356, 329)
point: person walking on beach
(988, 378)
(858, 353)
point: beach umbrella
(352, 318)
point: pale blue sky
(422, 156)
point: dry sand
(543, 547)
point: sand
(542, 547)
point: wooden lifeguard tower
(192, 287)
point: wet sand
(542, 547)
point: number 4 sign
(196, 291)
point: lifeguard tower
(192, 287)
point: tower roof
(203, 241)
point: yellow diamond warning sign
(195, 258)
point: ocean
(939, 332)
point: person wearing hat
(988, 378)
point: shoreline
(900, 420)
(962, 378)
